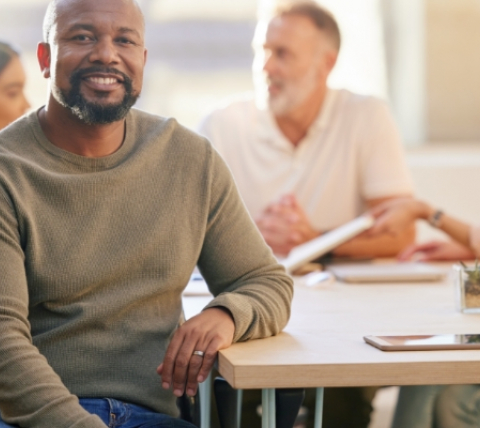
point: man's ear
(331, 59)
(44, 58)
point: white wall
(405, 46)
(453, 69)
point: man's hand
(437, 250)
(285, 225)
(208, 332)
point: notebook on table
(320, 246)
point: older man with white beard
(310, 158)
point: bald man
(104, 213)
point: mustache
(274, 81)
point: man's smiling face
(97, 58)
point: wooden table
(323, 346)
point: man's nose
(269, 64)
(104, 51)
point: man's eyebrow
(129, 30)
(89, 27)
(12, 85)
(81, 27)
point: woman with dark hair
(13, 103)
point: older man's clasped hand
(284, 225)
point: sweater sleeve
(31, 393)
(238, 266)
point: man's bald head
(56, 7)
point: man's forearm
(379, 246)
(239, 268)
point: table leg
(239, 407)
(205, 392)
(318, 409)
(268, 408)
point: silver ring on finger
(199, 353)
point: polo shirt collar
(268, 130)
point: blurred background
(423, 56)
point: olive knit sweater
(94, 255)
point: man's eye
(13, 94)
(81, 37)
(126, 41)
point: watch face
(435, 218)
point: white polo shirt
(352, 153)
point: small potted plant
(468, 287)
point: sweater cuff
(475, 240)
(240, 309)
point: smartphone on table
(438, 342)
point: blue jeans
(115, 414)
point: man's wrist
(222, 309)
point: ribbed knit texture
(94, 255)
